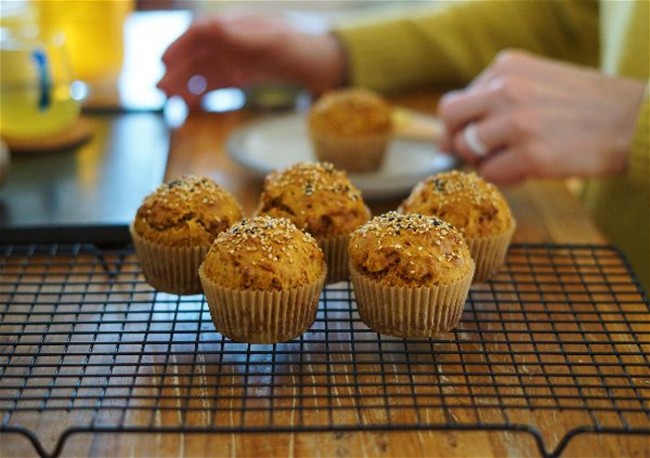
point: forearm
(449, 47)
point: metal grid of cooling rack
(563, 332)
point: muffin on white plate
(351, 128)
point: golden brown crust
(316, 197)
(186, 212)
(350, 112)
(466, 201)
(409, 250)
(264, 253)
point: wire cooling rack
(560, 337)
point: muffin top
(264, 253)
(316, 197)
(472, 205)
(410, 250)
(350, 113)
(186, 212)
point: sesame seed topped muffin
(320, 200)
(174, 227)
(262, 279)
(410, 250)
(351, 128)
(264, 253)
(473, 206)
(186, 212)
(466, 201)
(411, 274)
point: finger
(519, 64)
(460, 107)
(177, 78)
(463, 150)
(179, 68)
(493, 132)
(191, 99)
(175, 86)
(445, 142)
(484, 79)
(504, 167)
(181, 47)
(508, 61)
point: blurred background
(85, 132)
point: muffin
(351, 128)
(320, 200)
(411, 274)
(174, 228)
(473, 206)
(262, 279)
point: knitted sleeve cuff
(639, 158)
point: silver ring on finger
(475, 145)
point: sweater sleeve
(639, 158)
(448, 47)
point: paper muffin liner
(354, 155)
(335, 250)
(265, 317)
(169, 269)
(489, 254)
(412, 312)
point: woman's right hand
(539, 118)
(246, 49)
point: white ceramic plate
(280, 141)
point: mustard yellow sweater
(448, 47)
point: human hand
(240, 50)
(539, 118)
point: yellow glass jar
(94, 33)
(37, 88)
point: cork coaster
(74, 135)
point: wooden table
(545, 211)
